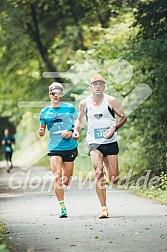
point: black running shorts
(67, 155)
(106, 149)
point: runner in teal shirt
(59, 118)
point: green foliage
(158, 195)
(151, 16)
(3, 246)
(163, 181)
(38, 36)
(150, 48)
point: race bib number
(100, 133)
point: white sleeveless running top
(99, 120)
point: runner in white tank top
(101, 135)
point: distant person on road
(59, 118)
(99, 110)
(7, 142)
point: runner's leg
(57, 168)
(67, 172)
(56, 165)
(111, 163)
(97, 162)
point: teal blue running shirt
(57, 120)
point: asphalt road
(30, 213)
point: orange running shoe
(104, 213)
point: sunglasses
(56, 93)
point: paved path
(31, 215)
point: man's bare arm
(113, 102)
(3, 142)
(79, 123)
(42, 130)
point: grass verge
(3, 243)
(158, 195)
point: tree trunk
(79, 45)
(35, 34)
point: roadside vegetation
(3, 241)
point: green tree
(151, 50)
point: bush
(163, 181)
